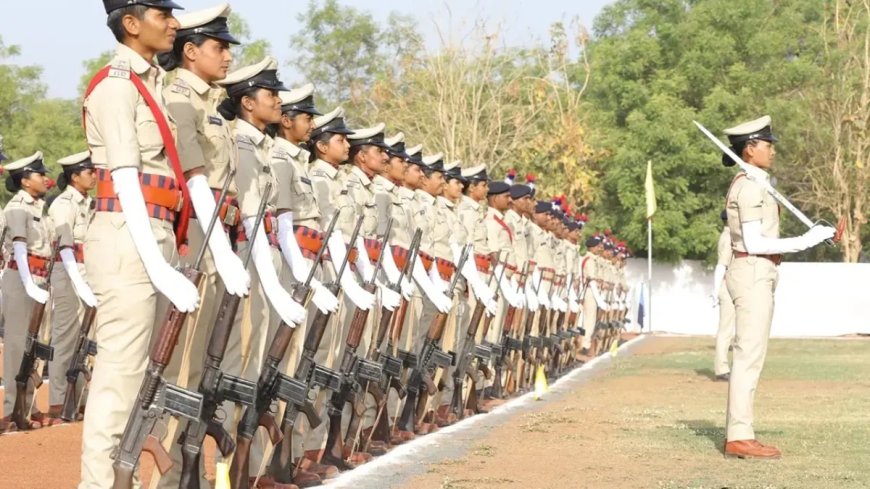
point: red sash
(181, 223)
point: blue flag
(641, 314)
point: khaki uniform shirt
(70, 213)
(205, 138)
(255, 170)
(423, 215)
(520, 233)
(747, 201)
(295, 193)
(542, 254)
(120, 129)
(26, 221)
(499, 237)
(471, 215)
(326, 185)
(357, 199)
(444, 229)
(388, 204)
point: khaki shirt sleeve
(17, 219)
(248, 180)
(384, 211)
(285, 173)
(323, 197)
(750, 200)
(348, 217)
(62, 214)
(112, 107)
(187, 122)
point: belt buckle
(231, 215)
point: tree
(836, 175)
(251, 50)
(656, 66)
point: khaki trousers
(185, 369)
(405, 341)
(17, 308)
(725, 334)
(455, 332)
(751, 282)
(130, 311)
(66, 316)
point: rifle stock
(78, 365)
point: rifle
(78, 366)
(215, 386)
(352, 372)
(156, 396)
(2, 244)
(392, 365)
(467, 354)
(374, 388)
(308, 375)
(431, 357)
(271, 385)
(33, 350)
(501, 349)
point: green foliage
(655, 67)
(251, 50)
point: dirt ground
(654, 419)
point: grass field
(656, 420)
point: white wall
(812, 299)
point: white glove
(506, 287)
(596, 294)
(408, 288)
(491, 307)
(543, 300)
(290, 312)
(435, 277)
(441, 301)
(352, 290)
(323, 299)
(531, 296)
(72, 269)
(168, 281)
(573, 306)
(229, 266)
(35, 292)
(558, 304)
(363, 264)
(389, 299)
(536, 279)
(819, 233)
(469, 271)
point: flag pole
(649, 272)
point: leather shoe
(304, 478)
(323, 471)
(723, 377)
(750, 449)
(401, 436)
(267, 482)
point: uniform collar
(330, 170)
(495, 212)
(384, 182)
(424, 197)
(26, 197)
(287, 146)
(76, 196)
(138, 64)
(196, 83)
(406, 192)
(357, 172)
(245, 128)
(447, 202)
(757, 173)
(471, 202)
(513, 215)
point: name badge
(215, 120)
(306, 181)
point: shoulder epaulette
(119, 69)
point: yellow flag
(541, 386)
(650, 192)
(614, 348)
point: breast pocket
(219, 143)
(147, 131)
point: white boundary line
(404, 455)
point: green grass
(813, 402)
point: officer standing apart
(753, 220)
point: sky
(58, 37)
